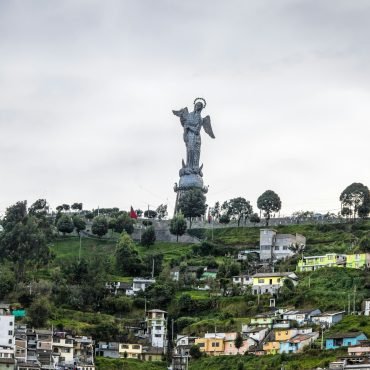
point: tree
(238, 342)
(195, 351)
(238, 208)
(356, 197)
(38, 208)
(124, 223)
(128, 261)
(365, 243)
(66, 207)
(162, 211)
(269, 202)
(139, 212)
(79, 224)
(255, 219)
(39, 312)
(7, 281)
(24, 239)
(149, 213)
(77, 206)
(89, 216)
(224, 219)
(99, 226)
(65, 225)
(148, 237)
(216, 211)
(59, 208)
(112, 224)
(178, 226)
(346, 212)
(192, 204)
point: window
(11, 323)
(261, 281)
(201, 345)
(215, 344)
(158, 328)
(285, 248)
(10, 332)
(10, 341)
(157, 335)
(277, 247)
(135, 346)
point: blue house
(344, 339)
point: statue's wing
(182, 113)
(207, 127)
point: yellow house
(271, 348)
(270, 283)
(213, 346)
(358, 261)
(285, 334)
(132, 350)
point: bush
(198, 233)
(147, 223)
(148, 238)
(209, 249)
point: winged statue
(192, 123)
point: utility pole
(153, 268)
(349, 303)
(79, 251)
(322, 338)
(354, 298)
(309, 282)
(173, 342)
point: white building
(328, 318)
(366, 306)
(275, 246)
(7, 331)
(140, 284)
(301, 316)
(156, 326)
(62, 348)
(255, 332)
(242, 280)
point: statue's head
(199, 104)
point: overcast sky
(87, 89)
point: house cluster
(274, 332)
(23, 348)
(358, 356)
(150, 343)
(129, 289)
(355, 261)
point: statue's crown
(203, 101)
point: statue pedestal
(191, 181)
(188, 182)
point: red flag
(133, 213)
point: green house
(358, 261)
(312, 263)
(19, 312)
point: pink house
(230, 348)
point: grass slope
(305, 361)
(103, 363)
